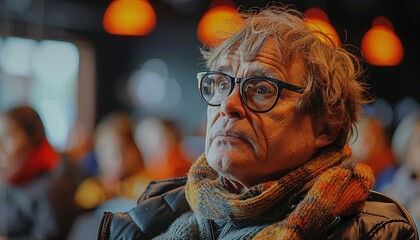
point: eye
(259, 90)
(263, 90)
(223, 86)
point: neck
(233, 186)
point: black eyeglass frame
(234, 80)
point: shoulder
(161, 204)
(161, 188)
(381, 218)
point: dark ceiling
(85, 15)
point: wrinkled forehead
(243, 51)
(264, 58)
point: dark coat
(164, 201)
(25, 211)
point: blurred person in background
(28, 165)
(80, 142)
(405, 185)
(122, 176)
(161, 143)
(121, 168)
(79, 152)
(371, 145)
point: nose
(232, 106)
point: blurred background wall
(57, 56)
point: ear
(325, 133)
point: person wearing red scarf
(27, 166)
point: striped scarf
(334, 185)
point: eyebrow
(221, 68)
(256, 69)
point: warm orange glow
(381, 46)
(129, 17)
(218, 24)
(226, 3)
(382, 21)
(316, 13)
(318, 19)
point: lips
(231, 134)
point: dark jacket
(25, 211)
(164, 201)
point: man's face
(248, 148)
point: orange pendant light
(318, 19)
(129, 17)
(218, 23)
(380, 45)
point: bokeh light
(217, 24)
(318, 19)
(383, 111)
(55, 62)
(56, 119)
(381, 46)
(405, 107)
(15, 55)
(129, 17)
(151, 88)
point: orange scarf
(335, 185)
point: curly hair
(332, 75)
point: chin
(215, 162)
(224, 164)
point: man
(282, 102)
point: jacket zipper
(213, 237)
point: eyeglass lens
(257, 94)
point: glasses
(260, 94)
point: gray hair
(331, 75)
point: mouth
(231, 135)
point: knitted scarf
(334, 185)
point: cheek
(212, 114)
(16, 148)
(286, 140)
(277, 130)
